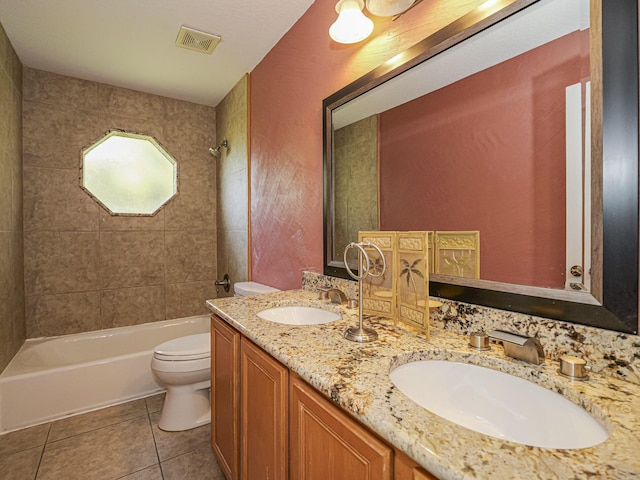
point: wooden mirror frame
(613, 303)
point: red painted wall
(287, 89)
(489, 156)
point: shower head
(216, 151)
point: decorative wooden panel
(225, 396)
(264, 421)
(412, 279)
(379, 293)
(404, 468)
(325, 443)
(458, 254)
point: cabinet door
(406, 469)
(225, 395)
(264, 393)
(326, 443)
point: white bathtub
(51, 378)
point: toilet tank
(246, 289)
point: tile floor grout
(122, 442)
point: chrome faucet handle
(322, 293)
(528, 349)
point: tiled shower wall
(233, 185)
(88, 270)
(12, 323)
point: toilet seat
(191, 347)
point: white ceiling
(131, 43)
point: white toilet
(183, 367)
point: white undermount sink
(298, 315)
(498, 404)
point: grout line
(44, 446)
(155, 443)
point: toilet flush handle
(224, 283)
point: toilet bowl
(183, 367)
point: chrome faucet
(337, 296)
(520, 347)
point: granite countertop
(355, 376)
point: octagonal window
(129, 173)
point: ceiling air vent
(197, 40)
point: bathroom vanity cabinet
(263, 414)
(267, 422)
(225, 397)
(249, 405)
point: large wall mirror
(518, 121)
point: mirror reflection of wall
(355, 181)
(487, 153)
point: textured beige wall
(12, 322)
(355, 165)
(87, 270)
(233, 185)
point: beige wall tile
(18, 326)
(131, 259)
(60, 90)
(129, 103)
(62, 116)
(232, 186)
(9, 61)
(186, 210)
(7, 294)
(195, 163)
(12, 317)
(232, 210)
(110, 222)
(6, 194)
(232, 257)
(147, 126)
(10, 164)
(62, 314)
(132, 306)
(188, 299)
(59, 262)
(190, 255)
(54, 136)
(55, 201)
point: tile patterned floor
(120, 442)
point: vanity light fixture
(352, 25)
(389, 8)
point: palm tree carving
(460, 264)
(375, 267)
(411, 272)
